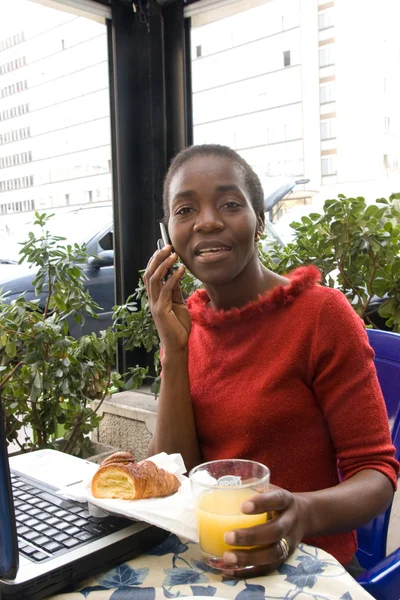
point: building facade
(54, 109)
(303, 89)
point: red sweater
(289, 381)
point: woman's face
(212, 222)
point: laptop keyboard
(48, 525)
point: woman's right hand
(166, 302)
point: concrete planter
(128, 422)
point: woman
(269, 368)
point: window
(286, 58)
(12, 41)
(327, 92)
(16, 184)
(326, 56)
(325, 19)
(328, 165)
(387, 124)
(24, 206)
(14, 136)
(198, 51)
(390, 162)
(9, 90)
(12, 65)
(15, 159)
(107, 242)
(328, 129)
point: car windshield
(76, 225)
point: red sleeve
(347, 388)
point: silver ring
(284, 546)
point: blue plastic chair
(382, 578)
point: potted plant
(47, 378)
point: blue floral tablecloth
(174, 569)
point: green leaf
(11, 348)
(37, 381)
(31, 358)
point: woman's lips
(211, 256)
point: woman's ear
(260, 224)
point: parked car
(92, 226)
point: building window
(325, 19)
(286, 58)
(326, 56)
(387, 124)
(327, 92)
(16, 184)
(198, 51)
(12, 41)
(328, 129)
(9, 90)
(14, 136)
(15, 159)
(390, 162)
(11, 207)
(328, 165)
(67, 199)
(17, 63)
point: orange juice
(218, 511)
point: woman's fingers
(260, 535)
(154, 282)
(276, 500)
(155, 261)
(265, 539)
(169, 287)
(262, 555)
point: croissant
(118, 457)
(130, 481)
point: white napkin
(174, 513)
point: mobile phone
(164, 234)
(164, 241)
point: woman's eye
(184, 210)
(232, 204)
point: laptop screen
(8, 533)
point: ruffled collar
(301, 279)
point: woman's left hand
(287, 523)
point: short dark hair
(252, 180)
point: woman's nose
(208, 220)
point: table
(175, 569)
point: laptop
(48, 543)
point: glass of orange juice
(219, 488)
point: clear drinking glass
(219, 488)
